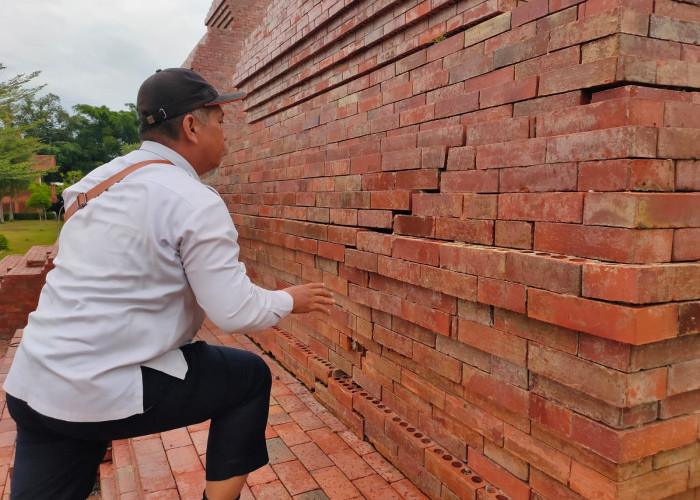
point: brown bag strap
(82, 199)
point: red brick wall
(503, 196)
(21, 280)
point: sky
(97, 52)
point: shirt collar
(171, 155)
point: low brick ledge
(313, 455)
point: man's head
(176, 106)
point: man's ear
(190, 128)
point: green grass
(24, 234)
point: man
(108, 353)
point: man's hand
(310, 297)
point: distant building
(42, 163)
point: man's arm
(209, 252)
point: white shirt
(137, 270)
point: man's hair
(170, 129)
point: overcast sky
(94, 52)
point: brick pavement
(313, 456)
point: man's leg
(229, 386)
(49, 466)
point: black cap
(176, 91)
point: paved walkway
(313, 456)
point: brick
(668, 28)
(598, 26)
(517, 90)
(565, 58)
(642, 210)
(453, 473)
(498, 476)
(680, 143)
(416, 250)
(641, 284)
(487, 29)
(473, 260)
(603, 144)
(414, 225)
(688, 175)
(401, 160)
(634, 444)
(490, 79)
(626, 175)
(469, 181)
(656, 484)
(538, 178)
(529, 11)
(537, 454)
(494, 341)
(422, 179)
(507, 130)
(418, 386)
(506, 459)
(591, 484)
(513, 234)
(504, 395)
(437, 204)
(689, 318)
(605, 243)
(665, 353)
(438, 362)
(467, 230)
(461, 158)
(633, 325)
(457, 105)
(678, 73)
(390, 200)
(544, 487)
(433, 319)
(621, 390)
(554, 207)
(374, 218)
(544, 104)
(452, 283)
(585, 75)
(480, 206)
(511, 154)
(551, 414)
(604, 114)
(544, 271)
(503, 294)
(681, 377)
(686, 244)
(374, 242)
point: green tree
(100, 134)
(40, 198)
(17, 146)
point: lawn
(24, 234)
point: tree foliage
(17, 146)
(32, 124)
(40, 198)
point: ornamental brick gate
(503, 196)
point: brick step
(8, 263)
(109, 489)
(39, 255)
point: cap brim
(225, 98)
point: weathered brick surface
(503, 196)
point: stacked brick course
(503, 196)
(21, 280)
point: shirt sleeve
(209, 252)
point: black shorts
(58, 460)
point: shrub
(3, 242)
